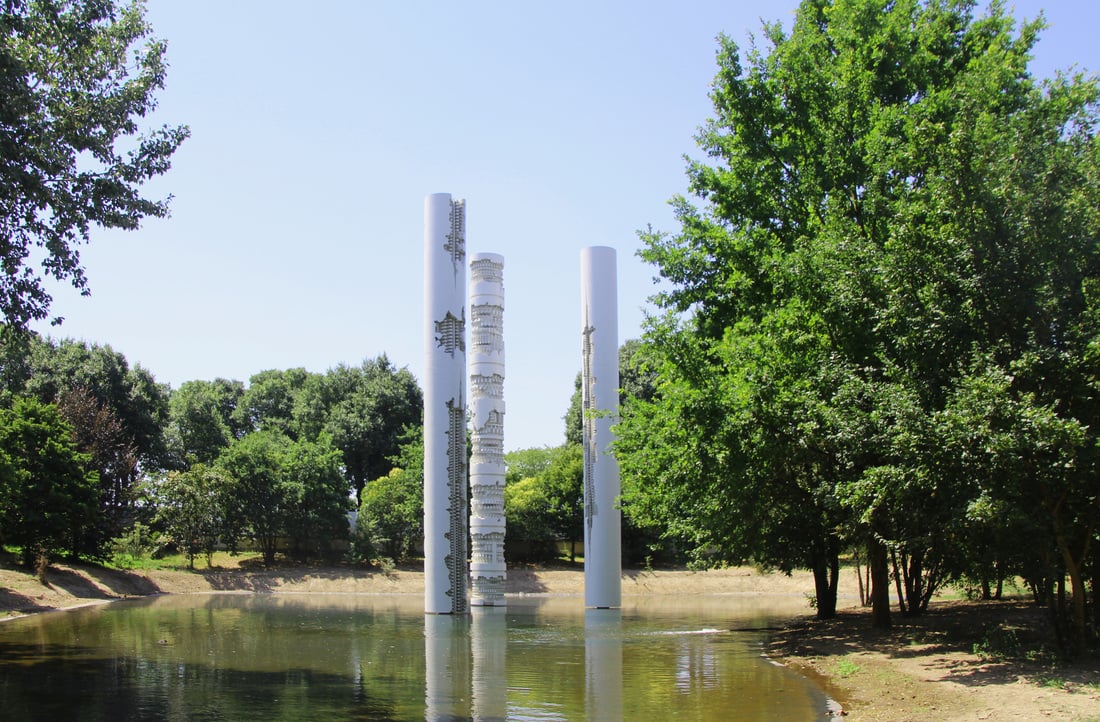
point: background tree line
(276, 464)
(91, 446)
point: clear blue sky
(318, 129)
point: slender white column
(444, 405)
(487, 568)
(600, 403)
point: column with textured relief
(445, 520)
(600, 405)
(486, 388)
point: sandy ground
(922, 669)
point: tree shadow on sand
(21, 603)
(955, 638)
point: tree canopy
(892, 214)
(47, 494)
(76, 79)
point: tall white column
(487, 568)
(445, 572)
(600, 404)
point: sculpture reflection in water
(603, 664)
(448, 662)
(467, 675)
(466, 660)
(489, 634)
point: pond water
(353, 657)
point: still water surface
(347, 657)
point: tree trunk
(1077, 598)
(1095, 606)
(880, 584)
(859, 580)
(916, 582)
(867, 584)
(898, 574)
(826, 568)
(42, 565)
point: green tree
(316, 496)
(893, 205)
(117, 412)
(76, 78)
(525, 463)
(99, 433)
(259, 508)
(527, 516)
(283, 488)
(273, 401)
(49, 494)
(53, 369)
(365, 409)
(204, 419)
(391, 515)
(192, 506)
(563, 485)
(544, 498)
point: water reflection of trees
(287, 657)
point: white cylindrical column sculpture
(600, 404)
(486, 366)
(445, 527)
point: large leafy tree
(52, 369)
(391, 515)
(76, 79)
(98, 432)
(275, 401)
(258, 510)
(544, 498)
(49, 495)
(366, 410)
(193, 506)
(891, 206)
(316, 497)
(117, 412)
(204, 419)
(285, 488)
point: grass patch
(178, 562)
(998, 644)
(846, 668)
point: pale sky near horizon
(296, 236)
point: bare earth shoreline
(923, 669)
